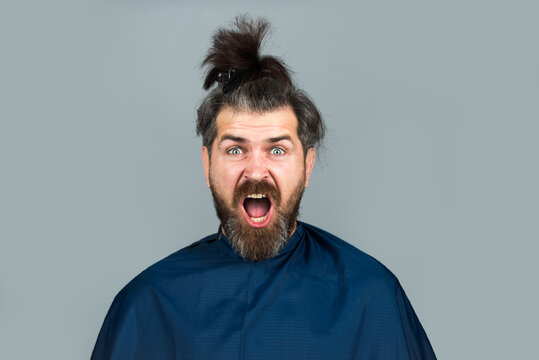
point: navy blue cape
(319, 298)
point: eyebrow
(232, 138)
(279, 138)
(239, 139)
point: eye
(234, 151)
(277, 151)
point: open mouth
(257, 209)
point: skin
(257, 146)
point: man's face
(257, 174)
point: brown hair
(246, 80)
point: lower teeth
(259, 219)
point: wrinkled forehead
(256, 126)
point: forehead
(255, 125)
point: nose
(256, 168)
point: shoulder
(191, 259)
(340, 257)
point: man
(265, 286)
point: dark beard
(258, 243)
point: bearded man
(265, 286)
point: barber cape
(319, 298)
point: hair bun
(235, 54)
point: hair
(249, 81)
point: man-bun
(236, 52)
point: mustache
(260, 187)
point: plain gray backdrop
(431, 161)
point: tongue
(256, 207)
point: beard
(258, 244)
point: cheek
(288, 176)
(226, 176)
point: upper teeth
(256, 196)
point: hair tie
(229, 80)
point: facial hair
(258, 244)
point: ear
(310, 158)
(206, 164)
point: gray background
(431, 161)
